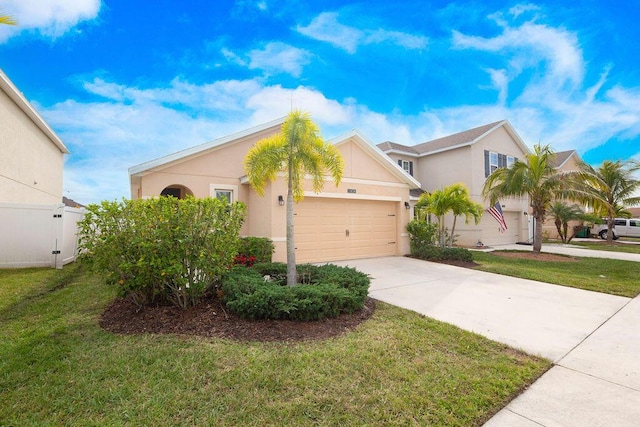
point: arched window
(177, 191)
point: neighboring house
(564, 161)
(469, 157)
(365, 216)
(32, 154)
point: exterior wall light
(407, 205)
(280, 200)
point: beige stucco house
(469, 157)
(365, 216)
(563, 161)
(31, 169)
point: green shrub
(162, 249)
(260, 248)
(421, 234)
(261, 292)
(435, 253)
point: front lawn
(609, 276)
(617, 246)
(58, 367)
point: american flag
(496, 212)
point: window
(224, 195)
(493, 161)
(620, 222)
(407, 165)
(633, 223)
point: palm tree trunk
(453, 229)
(537, 234)
(610, 231)
(292, 278)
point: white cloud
(51, 18)
(279, 57)
(325, 27)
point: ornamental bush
(260, 249)
(261, 292)
(422, 243)
(163, 249)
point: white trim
(278, 239)
(353, 196)
(372, 182)
(228, 187)
(386, 161)
(180, 155)
(404, 153)
(16, 96)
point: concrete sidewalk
(571, 250)
(592, 338)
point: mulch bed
(211, 319)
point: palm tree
(7, 20)
(297, 150)
(455, 199)
(536, 178)
(562, 214)
(610, 188)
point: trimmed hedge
(435, 253)
(260, 292)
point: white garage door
(491, 234)
(338, 229)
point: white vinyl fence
(38, 235)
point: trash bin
(585, 232)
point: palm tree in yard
(297, 150)
(562, 214)
(453, 199)
(610, 188)
(534, 177)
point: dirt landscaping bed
(211, 319)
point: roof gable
(560, 158)
(203, 148)
(374, 152)
(16, 96)
(456, 140)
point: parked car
(622, 227)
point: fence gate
(38, 235)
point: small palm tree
(536, 178)
(610, 188)
(562, 214)
(453, 199)
(297, 150)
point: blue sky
(123, 82)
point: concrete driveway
(592, 338)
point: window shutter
(502, 160)
(411, 168)
(486, 163)
(400, 162)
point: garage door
(337, 229)
(491, 234)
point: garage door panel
(491, 234)
(323, 224)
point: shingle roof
(454, 140)
(561, 157)
(388, 145)
(460, 138)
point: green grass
(58, 367)
(609, 276)
(603, 246)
